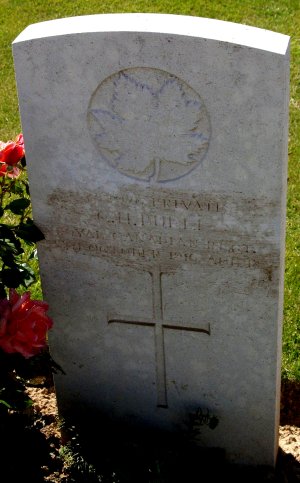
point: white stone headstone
(157, 156)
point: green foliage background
(278, 15)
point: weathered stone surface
(157, 150)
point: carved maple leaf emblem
(149, 124)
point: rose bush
(24, 323)
(18, 233)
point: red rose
(11, 153)
(23, 324)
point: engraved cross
(159, 324)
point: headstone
(157, 157)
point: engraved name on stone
(176, 228)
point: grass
(277, 15)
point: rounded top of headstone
(160, 23)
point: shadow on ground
(27, 455)
(132, 458)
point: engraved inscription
(159, 324)
(149, 124)
(135, 227)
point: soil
(36, 451)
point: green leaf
(29, 232)
(8, 248)
(12, 277)
(5, 403)
(8, 240)
(26, 187)
(16, 275)
(8, 260)
(6, 232)
(17, 188)
(18, 206)
(29, 275)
